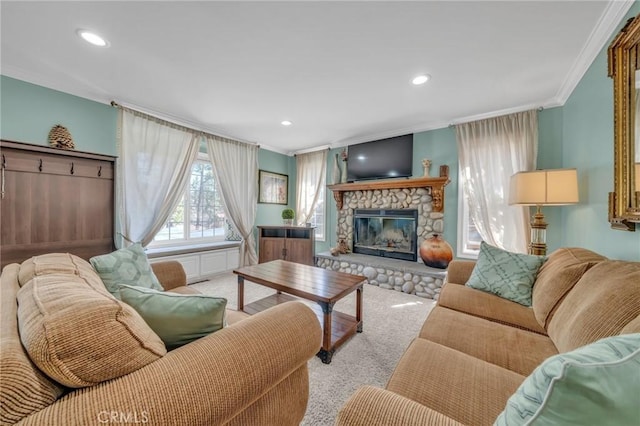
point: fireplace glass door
(385, 233)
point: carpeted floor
(391, 321)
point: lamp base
(538, 244)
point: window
(468, 236)
(310, 189)
(199, 216)
(319, 214)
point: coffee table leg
(240, 293)
(326, 352)
(359, 308)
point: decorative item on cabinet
(287, 216)
(59, 137)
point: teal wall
(587, 144)
(270, 214)
(441, 148)
(550, 157)
(28, 112)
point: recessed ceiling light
(421, 79)
(286, 123)
(92, 38)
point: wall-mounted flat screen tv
(383, 158)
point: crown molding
(607, 24)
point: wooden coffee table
(311, 283)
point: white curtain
(490, 151)
(153, 168)
(310, 178)
(235, 165)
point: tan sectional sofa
(252, 372)
(475, 349)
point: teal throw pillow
(597, 384)
(505, 274)
(177, 318)
(125, 266)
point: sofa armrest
(209, 381)
(374, 406)
(170, 273)
(459, 271)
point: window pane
(200, 210)
(173, 229)
(318, 216)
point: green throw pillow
(125, 266)
(177, 318)
(597, 384)
(505, 274)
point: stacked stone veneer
(405, 198)
(400, 275)
(397, 275)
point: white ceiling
(340, 71)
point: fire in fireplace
(386, 233)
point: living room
(575, 130)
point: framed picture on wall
(272, 188)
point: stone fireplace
(363, 209)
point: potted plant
(287, 216)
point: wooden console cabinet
(292, 243)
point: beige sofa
(475, 349)
(252, 372)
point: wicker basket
(59, 137)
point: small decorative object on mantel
(426, 164)
(287, 216)
(343, 172)
(436, 252)
(59, 137)
(337, 170)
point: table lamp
(556, 187)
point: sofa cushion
(176, 318)
(505, 274)
(557, 276)
(460, 386)
(59, 263)
(595, 384)
(488, 340)
(24, 388)
(489, 306)
(601, 304)
(129, 266)
(81, 336)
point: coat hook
(40, 166)
(99, 171)
(71, 168)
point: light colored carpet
(391, 321)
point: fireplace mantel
(436, 185)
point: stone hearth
(400, 275)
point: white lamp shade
(544, 187)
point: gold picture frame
(273, 188)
